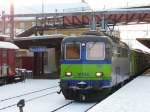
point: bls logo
(83, 74)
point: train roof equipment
(87, 38)
(144, 41)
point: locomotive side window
(108, 51)
(72, 51)
(95, 51)
(124, 52)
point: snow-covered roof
(40, 37)
(8, 45)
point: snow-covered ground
(30, 90)
(29, 85)
(76, 107)
(39, 96)
(133, 97)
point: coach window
(4, 61)
(4, 56)
(95, 51)
(72, 51)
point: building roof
(49, 41)
(40, 37)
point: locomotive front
(85, 66)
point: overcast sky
(34, 6)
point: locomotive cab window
(95, 51)
(72, 51)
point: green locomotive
(94, 63)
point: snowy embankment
(133, 97)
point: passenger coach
(7, 62)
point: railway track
(55, 110)
(41, 96)
(91, 107)
(28, 100)
(29, 93)
(30, 97)
(70, 106)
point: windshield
(95, 51)
(72, 51)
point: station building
(40, 54)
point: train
(7, 62)
(95, 63)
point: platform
(133, 97)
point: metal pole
(93, 22)
(103, 23)
(21, 104)
(3, 22)
(42, 7)
(43, 19)
(20, 109)
(12, 20)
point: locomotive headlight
(99, 74)
(68, 73)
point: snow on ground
(133, 97)
(42, 104)
(41, 101)
(77, 107)
(28, 98)
(16, 89)
(29, 85)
